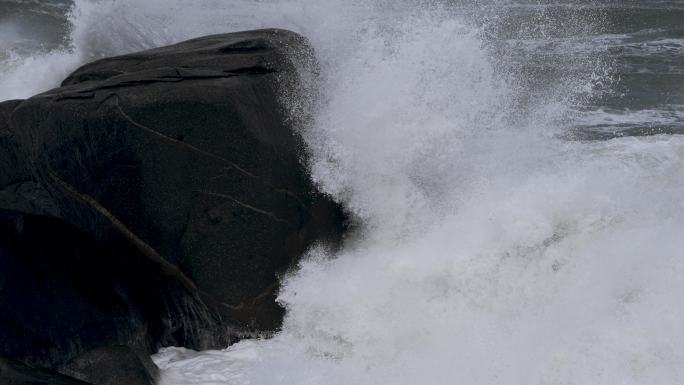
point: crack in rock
(247, 206)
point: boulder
(188, 152)
(154, 198)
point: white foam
(26, 75)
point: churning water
(516, 169)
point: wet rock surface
(153, 199)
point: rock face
(63, 293)
(154, 198)
(17, 189)
(11, 171)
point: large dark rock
(187, 149)
(156, 197)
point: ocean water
(515, 170)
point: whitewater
(514, 173)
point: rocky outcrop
(153, 200)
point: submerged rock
(155, 197)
